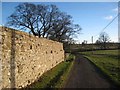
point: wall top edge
(25, 33)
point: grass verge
(107, 62)
(56, 77)
(63, 78)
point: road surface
(85, 75)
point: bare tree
(36, 18)
(24, 17)
(63, 28)
(103, 40)
(44, 21)
(47, 16)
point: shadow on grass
(51, 83)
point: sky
(91, 16)
(60, 0)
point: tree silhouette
(103, 40)
(44, 21)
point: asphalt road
(85, 75)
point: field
(107, 61)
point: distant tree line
(45, 21)
(102, 41)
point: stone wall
(0, 60)
(26, 57)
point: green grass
(107, 61)
(56, 77)
(70, 58)
(62, 79)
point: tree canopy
(104, 37)
(103, 40)
(44, 21)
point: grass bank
(56, 77)
(107, 61)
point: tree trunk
(32, 29)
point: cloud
(108, 17)
(115, 9)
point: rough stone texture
(26, 57)
(0, 60)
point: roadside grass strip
(107, 62)
(56, 77)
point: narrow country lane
(86, 75)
